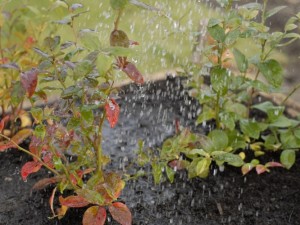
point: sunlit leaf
(288, 158)
(29, 81)
(120, 213)
(157, 172)
(112, 112)
(133, 73)
(74, 201)
(94, 215)
(30, 167)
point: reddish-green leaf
(30, 167)
(41, 184)
(261, 169)
(29, 81)
(133, 73)
(112, 112)
(3, 122)
(273, 164)
(246, 168)
(74, 201)
(120, 213)
(94, 215)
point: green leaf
(272, 71)
(206, 114)
(241, 60)
(290, 27)
(37, 114)
(118, 4)
(217, 33)
(273, 112)
(70, 92)
(17, 93)
(202, 167)
(73, 123)
(91, 196)
(288, 158)
(274, 11)
(288, 139)
(252, 128)
(170, 174)
(40, 131)
(120, 51)
(220, 80)
(52, 43)
(231, 159)
(87, 114)
(90, 39)
(214, 21)
(157, 169)
(231, 37)
(219, 139)
(282, 122)
(82, 69)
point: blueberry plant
(67, 135)
(236, 136)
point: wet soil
(148, 113)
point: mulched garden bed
(148, 113)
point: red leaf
(273, 164)
(30, 167)
(261, 169)
(120, 213)
(4, 146)
(45, 182)
(29, 81)
(74, 201)
(177, 164)
(112, 112)
(133, 42)
(133, 73)
(94, 215)
(3, 122)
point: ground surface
(149, 113)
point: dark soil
(148, 113)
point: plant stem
(116, 23)
(218, 110)
(98, 144)
(290, 94)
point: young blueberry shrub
(237, 136)
(67, 134)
